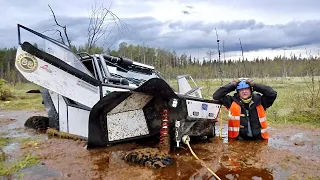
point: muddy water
(11, 125)
(291, 153)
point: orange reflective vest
(234, 121)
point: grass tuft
(5, 91)
(21, 100)
(9, 168)
(22, 163)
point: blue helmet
(242, 84)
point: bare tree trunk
(2, 71)
(8, 71)
(99, 26)
(19, 78)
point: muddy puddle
(292, 152)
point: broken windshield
(134, 77)
(51, 46)
(65, 55)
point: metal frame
(95, 60)
(105, 68)
(42, 36)
(58, 43)
(102, 73)
(89, 59)
(129, 138)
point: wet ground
(292, 152)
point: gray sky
(266, 27)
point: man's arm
(269, 95)
(221, 94)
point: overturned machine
(107, 99)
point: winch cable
(202, 163)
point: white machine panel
(63, 115)
(106, 90)
(55, 79)
(134, 101)
(54, 98)
(184, 86)
(78, 120)
(197, 109)
(126, 125)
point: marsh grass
(19, 164)
(21, 100)
(291, 105)
(8, 168)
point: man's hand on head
(236, 81)
(250, 82)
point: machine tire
(213, 133)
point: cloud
(185, 36)
(263, 6)
(188, 10)
(185, 12)
(188, 26)
(254, 35)
(76, 29)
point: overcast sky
(266, 27)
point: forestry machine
(108, 100)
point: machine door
(55, 67)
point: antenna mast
(219, 60)
(244, 63)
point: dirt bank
(292, 152)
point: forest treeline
(171, 64)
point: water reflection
(246, 173)
(239, 160)
(225, 173)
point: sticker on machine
(204, 107)
(46, 68)
(87, 86)
(27, 62)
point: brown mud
(292, 152)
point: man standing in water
(247, 110)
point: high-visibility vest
(234, 121)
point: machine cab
(117, 70)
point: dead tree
(63, 27)
(102, 21)
(314, 86)
(224, 52)
(210, 54)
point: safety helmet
(242, 84)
